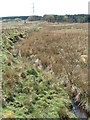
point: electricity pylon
(33, 8)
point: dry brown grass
(62, 46)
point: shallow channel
(81, 114)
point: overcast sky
(60, 7)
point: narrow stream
(81, 114)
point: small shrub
(30, 108)
(10, 98)
(23, 75)
(32, 72)
(19, 87)
(63, 114)
(26, 90)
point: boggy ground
(44, 64)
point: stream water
(81, 114)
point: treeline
(15, 17)
(67, 18)
(80, 18)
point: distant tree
(65, 18)
(17, 19)
(34, 18)
(49, 18)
